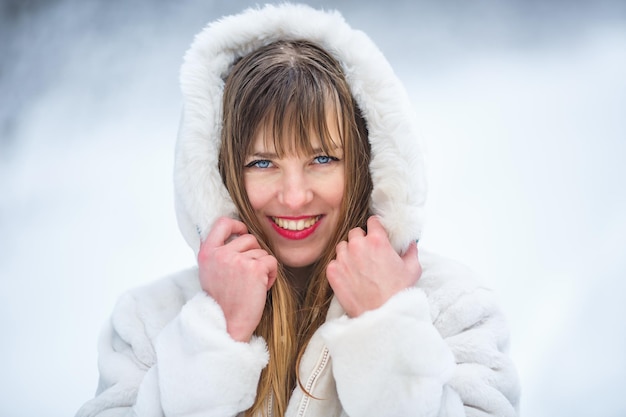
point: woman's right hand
(237, 274)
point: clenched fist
(237, 274)
(367, 271)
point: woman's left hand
(367, 271)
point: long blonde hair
(289, 88)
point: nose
(296, 191)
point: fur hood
(166, 350)
(396, 165)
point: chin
(293, 260)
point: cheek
(336, 197)
(335, 190)
(257, 193)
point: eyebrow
(263, 155)
(270, 155)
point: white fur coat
(438, 349)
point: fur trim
(195, 351)
(396, 166)
(398, 346)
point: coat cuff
(390, 361)
(202, 370)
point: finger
(341, 248)
(222, 229)
(331, 272)
(411, 252)
(411, 260)
(336, 277)
(272, 269)
(256, 253)
(355, 233)
(244, 243)
(375, 227)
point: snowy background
(522, 105)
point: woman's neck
(299, 277)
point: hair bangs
(302, 110)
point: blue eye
(260, 163)
(324, 159)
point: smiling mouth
(295, 224)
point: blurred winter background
(522, 105)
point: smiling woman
(299, 184)
(294, 196)
(301, 135)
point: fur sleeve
(468, 318)
(390, 361)
(203, 371)
(187, 366)
(437, 350)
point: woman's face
(297, 199)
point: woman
(299, 184)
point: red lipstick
(296, 234)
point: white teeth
(295, 224)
